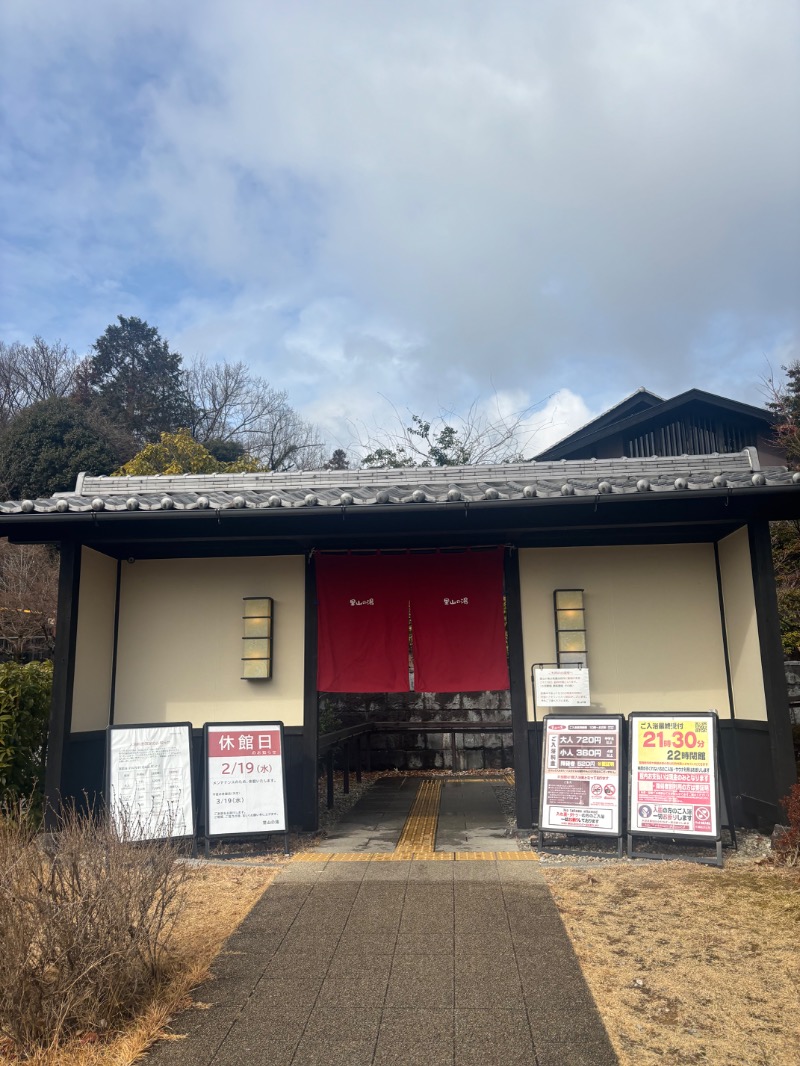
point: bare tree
(33, 372)
(233, 405)
(452, 439)
(28, 598)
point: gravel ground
(753, 847)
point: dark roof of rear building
(643, 412)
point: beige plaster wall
(94, 642)
(744, 652)
(180, 641)
(654, 634)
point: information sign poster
(674, 786)
(149, 780)
(561, 688)
(245, 782)
(581, 763)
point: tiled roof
(359, 488)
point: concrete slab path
(471, 819)
(458, 963)
(376, 821)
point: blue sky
(428, 204)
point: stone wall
(425, 751)
(793, 684)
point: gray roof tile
(367, 488)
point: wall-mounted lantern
(570, 617)
(257, 638)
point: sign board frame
(188, 771)
(555, 719)
(207, 784)
(716, 781)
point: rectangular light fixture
(570, 618)
(257, 638)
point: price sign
(245, 781)
(674, 786)
(581, 762)
(561, 688)
(149, 780)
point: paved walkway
(376, 821)
(464, 963)
(469, 818)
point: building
(673, 555)
(693, 423)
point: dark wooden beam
(69, 578)
(115, 651)
(769, 638)
(310, 806)
(519, 698)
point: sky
(529, 205)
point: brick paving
(416, 962)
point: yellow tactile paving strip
(418, 838)
(419, 832)
(427, 856)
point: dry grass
(217, 899)
(689, 965)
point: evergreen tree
(785, 402)
(48, 444)
(137, 380)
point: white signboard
(581, 774)
(245, 791)
(673, 775)
(150, 780)
(561, 688)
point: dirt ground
(689, 965)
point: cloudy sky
(526, 202)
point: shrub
(85, 927)
(787, 845)
(24, 715)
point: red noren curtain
(457, 622)
(363, 623)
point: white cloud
(428, 201)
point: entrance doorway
(413, 671)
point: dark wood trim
(310, 809)
(650, 517)
(114, 652)
(69, 578)
(733, 764)
(725, 649)
(519, 691)
(695, 400)
(769, 638)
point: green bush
(24, 716)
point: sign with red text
(245, 782)
(561, 687)
(149, 780)
(581, 768)
(674, 787)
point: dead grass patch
(217, 899)
(689, 965)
